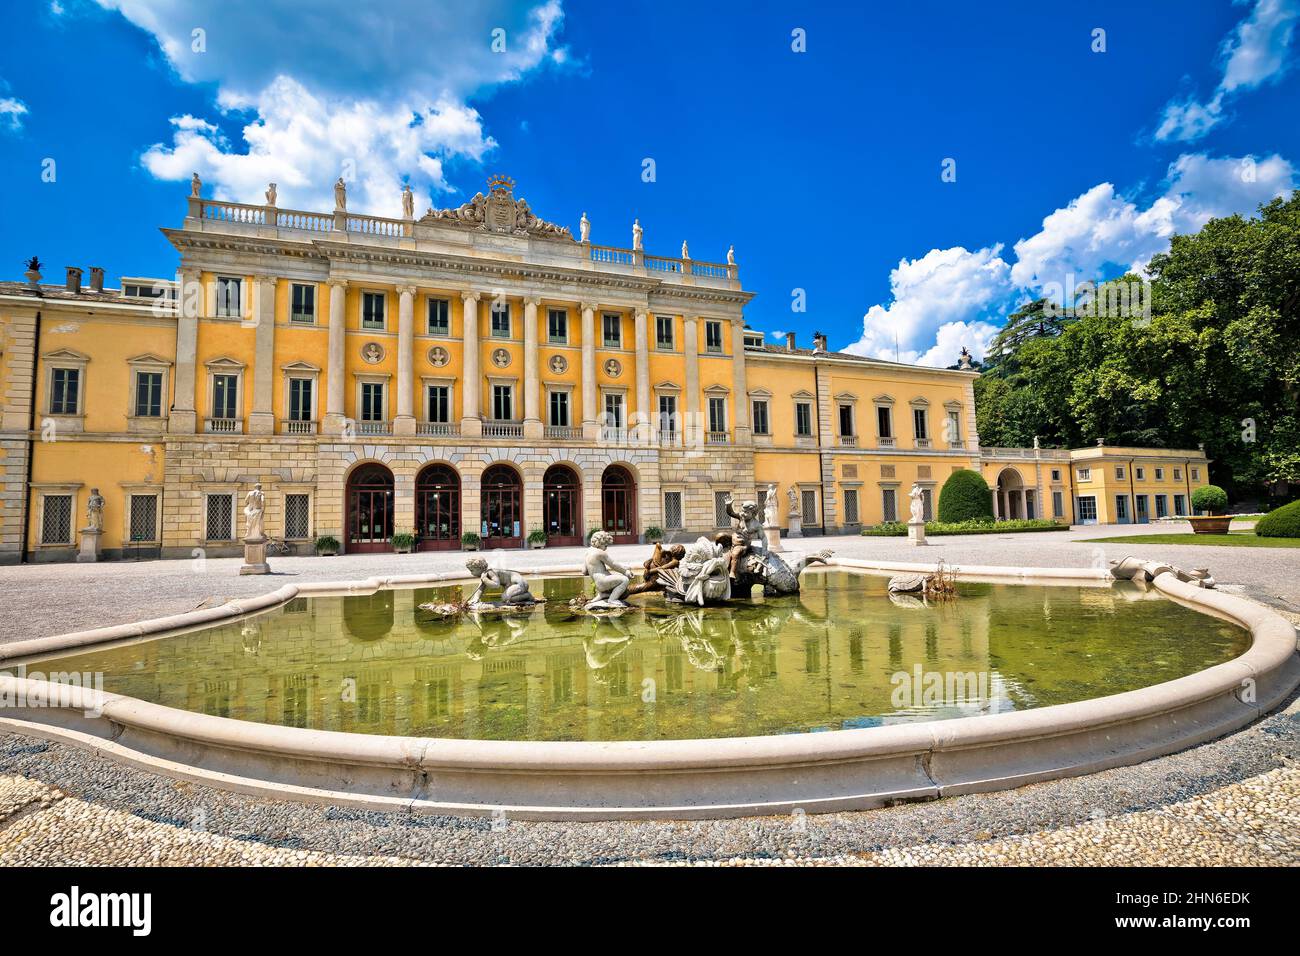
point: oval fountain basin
(841, 655)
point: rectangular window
(501, 320)
(664, 332)
(300, 399)
(65, 386)
(802, 419)
(1085, 474)
(1180, 505)
(612, 326)
(668, 413)
(1162, 506)
(148, 394)
(372, 310)
(1160, 474)
(56, 519)
(1056, 474)
(225, 390)
(927, 505)
(1121, 508)
(1058, 505)
(1088, 509)
(302, 303)
(889, 504)
(503, 405)
(884, 422)
(672, 509)
(144, 518)
(850, 506)
(614, 410)
(720, 517)
(1178, 474)
(1139, 474)
(712, 336)
(810, 515)
(761, 426)
(220, 518)
(439, 403)
(560, 409)
(1196, 474)
(846, 421)
(439, 317)
(228, 297)
(297, 517)
(557, 326)
(920, 426)
(373, 408)
(954, 429)
(717, 414)
(1119, 472)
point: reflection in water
(843, 653)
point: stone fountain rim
(922, 759)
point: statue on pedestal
(584, 228)
(270, 194)
(95, 511)
(770, 519)
(340, 195)
(636, 235)
(793, 494)
(408, 202)
(254, 507)
(918, 505)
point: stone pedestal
(255, 557)
(796, 526)
(773, 539)
(89, 544)
(916, 532)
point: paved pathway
(45, 599)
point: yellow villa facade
(475, 370)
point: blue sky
(823, 167)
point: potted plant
(537, 538)
(403, 542)
(33, 272)
(470, 541)
(1211, 499)
(327, 546)
(654, 534)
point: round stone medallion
(559, 364)
(372, 353)
(439, 356)
(613, 368)
(500, 358)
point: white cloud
(340, 85)
(939, 305)
(1254, 53)
(12, 112)
(1101, 229)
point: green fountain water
(840, 655)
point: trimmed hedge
(1281, 522)
(965, 496)
(1211, 499)
(896, 529)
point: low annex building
(474, 370)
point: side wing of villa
(476, 370)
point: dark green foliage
(1282, 522)
(965, 496)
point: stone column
(183, 418)
(335, 389)
(739, 383)
(691, 426)
(643, 419)
(590, 423)
(532, 406)
(404, 422)
(261, 421)
(471, 380)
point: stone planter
(537, 545)
(1210, 524)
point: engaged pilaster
(532, 414)
(183, 418)
(335, 391)
(471, 424)
(739, 384)
(642, 419)
(590, 424)
(691, 352)
(404, 422)
(261, 420)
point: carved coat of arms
(499, 212)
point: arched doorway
(437, 508)
(562, 506)
(502, 508)
(1010, 499)
(370, 509)
(618, 504)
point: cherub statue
(513, 587)
(610, 578)
(749, 532)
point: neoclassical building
(477, 369)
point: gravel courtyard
(1235, 800)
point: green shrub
(327, 544)
(965, 495)
(1281, 522)
(654, 533)
(403, 540)
(1210, 499)
(470, 538)
(537, 536)
(896, 529)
